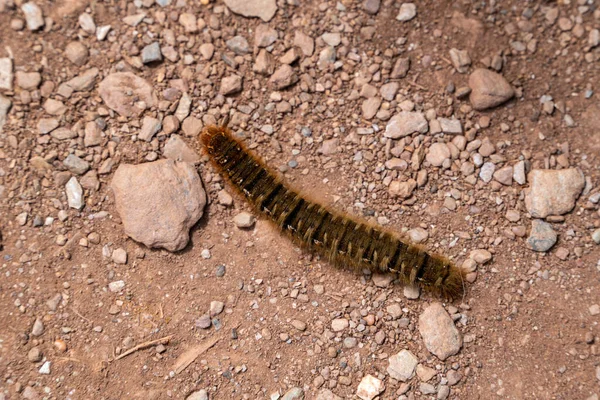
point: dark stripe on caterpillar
(346, 241)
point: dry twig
(145, 345)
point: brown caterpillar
(346, 241)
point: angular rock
(596, 236)
(116, 286)
(305, 42)
(198, 395)
(90, 180)
(82, 82)
(38, 327)
(28, 80)
(126, 93)
(263, 9)
(332, 39)
(401, 67)
(451, 126)
(388, 91)
(54, 107)
(264, 36)
(369, 387)
(231, 85)
(5, 105)
(407, 12)
(411, 292)
(119, 256)
(77, 53)
(406, 123)
(45, 368)
(460, 59)
(244, 220)
(176, 149)
(594, 38)
(339, 324)
(542, 237)
(33, 16)
(504, 175)
(371, 6)
(39, 163)
(191, 126)
(74, 194)
(135, 19)
(480, 256)
(189, 22)
(283, 77)
(224, 198)
(264, 63)
(519, 173)
(159, 202)
(86, 22)
(151, 53)
(171, 124)
(239, 45)
(76, 165)
(6, 73)
(370, 107)
(327, 57)
(437, 154)
(63, 134)
(291, 56)
(487, 171)
(93, 134)
(184, 106)
(34, 355)
(402, 189)
(150, 127)
(294, 393)
(102, 32)
(418, 235)
(439, 333)
(488, 89)
(553, 192)
(402, 365)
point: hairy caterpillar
(345, 240)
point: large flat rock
(159, 202)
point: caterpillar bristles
(346, 241)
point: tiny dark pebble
(221, 271)
(234, 334)
(227, 374)
(217, 323)
(368, 212)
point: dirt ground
(529, 321)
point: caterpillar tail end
(455, 284)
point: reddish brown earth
(526, 320)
